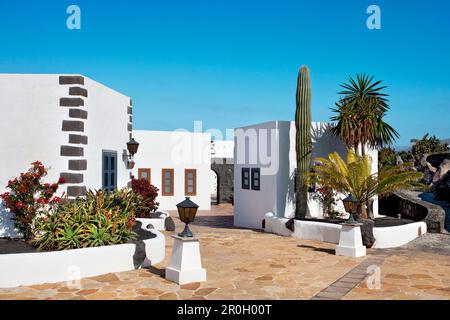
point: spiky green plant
(100, 219)
(303, 144)
(354, 177)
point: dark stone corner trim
(69, 125)
(71, 80)
(76, 191)
(69, 151)
(78, 91)
(71, 102)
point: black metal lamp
(132, 147)
(187, 211)
(351, 206)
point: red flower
(24, 190)
(56, 200)
(4, 195)
(61, 180)
(41, 201)
(19, 205)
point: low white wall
(157, 223)
(155, 249)
(386, 237)
(68, 265)
(320, 231)
(391, 237)
(276, 225)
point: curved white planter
(276, 225)
(320, 231)
(391, 237)
(386, 237)
(69, 265)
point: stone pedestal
(350, 241)
(186, 265)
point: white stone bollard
(350, 241)
(186, 265)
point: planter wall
(411, 206)
(68, 265)
(386, 237)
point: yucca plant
(360, 115)
(99, 219)
(354, 177)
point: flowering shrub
(29, 196)
(100, 219)
(148, 193)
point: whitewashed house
(178, 163)
(264, 170)
(72, 124)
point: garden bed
(11, 246)
(68, 265)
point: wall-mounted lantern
(132, 147)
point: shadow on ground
(329, 251)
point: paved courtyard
(249, 264)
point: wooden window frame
(186, 172)
(246, 187)
(163, 182)
(149, 173)
(254, 187)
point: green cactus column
(303, 144)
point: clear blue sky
(232, 63)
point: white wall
(222, 149)
(178, 151)
(31, 123)
(250, 206)
(107, 129)
(30, 127)
(277, 187)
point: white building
(264, 170)
(178, 163)
(74, 125)
(222, 149)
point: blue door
(109, 179)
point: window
(145, 174)
(245, 178)
(167, 182)
(109, 178)
(256, 178)
(190, 182)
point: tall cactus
(303, 143)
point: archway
(215, 187)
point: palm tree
(360, 115)
(354, 177)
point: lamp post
(132, 147)
(351, 206)
(350, 239)
(187, 211)
(186, 264)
